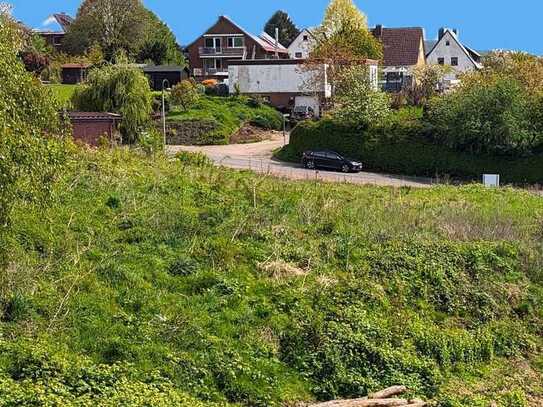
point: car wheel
(345, 168)
(310, 165)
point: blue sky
(483, 24)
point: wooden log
(388, 392)
(364, 402)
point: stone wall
(188, 132)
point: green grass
(63, 93)
(229, 114)
(166, 282)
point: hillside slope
(170, 283)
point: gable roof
(64, 20)
(472, 55)
(401, 46)
(264, 40)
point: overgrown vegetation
(227, 115)
(157, 280)
(31, 133)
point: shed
(158, 73)
(89, 127)
(73, 74)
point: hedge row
(404, 150)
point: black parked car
(330, 160)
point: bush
(490, 116)
(404, 148)
(185, 94)
(32, 150)
(118, 89)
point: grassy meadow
(171, 282)
(63, 93)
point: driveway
(258, 157)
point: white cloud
(50, 20)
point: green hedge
(402, 149)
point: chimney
(441, 33)
(277, 43)
(378, 31)
(455, 31)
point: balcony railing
(226, 52)
(214, 71)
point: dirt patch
(251, 134)
(279, 270)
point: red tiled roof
(93, 116)
(401, 46)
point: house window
(298, 55)
(441, 61)
(212, 64)
(235, 42)
(306, 38)
(448, 43)
(213, 43)
(454, 61)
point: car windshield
(300, 109)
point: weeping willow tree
(118, 89)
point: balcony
(198, 72)
(222, 52)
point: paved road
(258, 157)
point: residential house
(286, 83)
(169, 75)
(302, 45)
(89, 127)
(448, 50)
(403, 50)
(55, 38)
(211, 54)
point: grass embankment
(228, 115)
(63, 93)
(151, 281)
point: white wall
(442, 50)
(273, 78)
(299, 45)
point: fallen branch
(381, 398)
(388, 392)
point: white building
(286, 83)
(283, 83)
(448, 50)
(303, 44)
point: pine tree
(287, 29)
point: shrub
(491, 116)
(185, 94)
(32, 150)
(197, 159)
(403, 147)
(118, 89)
(356, 103)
